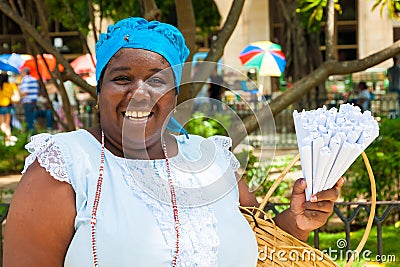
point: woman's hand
(310, 215)
(304, 216)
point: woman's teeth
(137, 114)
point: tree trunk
(330, 30)
(187, 25)
(149, 10)
(302, 54)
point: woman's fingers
(330, 194)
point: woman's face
(136, 98)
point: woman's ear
(97, 101)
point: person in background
(71, 90)
(9, 94)
(364, 96)
(43, 109)
(126, 192)
(216, 91)
(393, 74)
(202, 97)
(29, 89)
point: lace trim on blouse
(226, 143)
(44, 148)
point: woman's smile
(138, 116)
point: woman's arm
(40, 223)
(246, 198)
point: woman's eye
(155, 81)
(121, 79)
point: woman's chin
(138, 141)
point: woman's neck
(152, 151)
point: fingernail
(314, 198)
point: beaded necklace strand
(93, 220)
(174, 205)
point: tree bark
(187, 25)
(149, 10)
(330, 30)
(302, 53)
(93, 23)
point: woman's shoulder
(78, 138)
(197, 147)
(59, 152)
(73, 138)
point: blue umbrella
(11, 62)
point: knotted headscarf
(161, 38)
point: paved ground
(6, 183)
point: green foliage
(119, 9)
(206, 13)
(384, 158)
(202, 125)
(256, 177)
(393, 7)
(12, 158)
(312, 13)
(78, 17)
(391, 246)
(58, 11)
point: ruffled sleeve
(226, 143)
(44, 148)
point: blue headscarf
(161, 38)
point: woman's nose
(140, 92)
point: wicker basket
(278, 248)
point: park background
(360, 47)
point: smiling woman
(129, 193)
(137, 99)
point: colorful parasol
(266, 56)
(11, 62)
(29, 62)
(84, 64)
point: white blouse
(135, 222)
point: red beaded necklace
(97, 200)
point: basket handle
(276, 183)
(372, 212)
(373, 201)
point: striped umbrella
(266, 56)
(11, 62)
